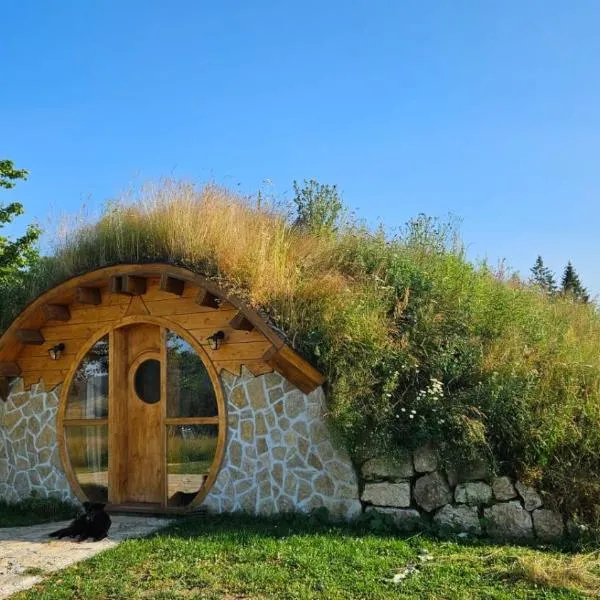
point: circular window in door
(146, 427)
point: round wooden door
(144, 420)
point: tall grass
(417, 343)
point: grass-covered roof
(417, 342)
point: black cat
(94, 523)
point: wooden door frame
(117, 412)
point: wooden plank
(88, 295)
(9, 369)
(207, 299)
(117, 416)
(44, 363)
(172, 285)
(294, 368)
(30, 336)
(216, 319)
(240, 322)
(175, 306)
(56, 312)
(231, 335)
(136, 307)
(241, 352)
(154, 293)
(64, 333)
(51, 378)
(146, 456)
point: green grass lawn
(235, 557)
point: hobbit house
(148, 388)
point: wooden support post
(88, 295)
(9, 369)
(30, 336)
(128, 284)
(205, 298)
(56, 312)
(241, 323)
(172, 284)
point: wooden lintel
(172, 285)
(56, 312)
(241, 323)
(88, 295)
(128, 284)
(205, 298)
(9, 369)
(30, 336)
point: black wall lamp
(56, 351)
(216, 339)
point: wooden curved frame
(26, 327)
(214, 377)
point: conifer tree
(571, 285)
(543, 277)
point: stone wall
(279, 455)
(416, 493)
(29, 458)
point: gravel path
(26, 553)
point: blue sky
(489, 111)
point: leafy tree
(571, 285)
(18, 255)
(543, 277)
(319, 207)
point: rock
(509, 520)
(406, 519)
(531, 499)
(548, 524)
(379, 468)
(431, 491)
(503, 489)
(387, 494)
(473, 494)
(458, 518)
(425, 459)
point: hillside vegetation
(417, 343)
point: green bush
(418, 344)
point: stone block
(473, 493)
(387, 494)
(503, 489)
(376, 469)
(432, 491)
(531, 499)
(406, 519)
(509, 520)
(458, 518)
(256, 393)
(425, 459)
(547, 524)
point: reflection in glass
(88, 452)
(147, 381)
(191, 450)
(190, 392)
(88, 395)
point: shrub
(417, 343)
